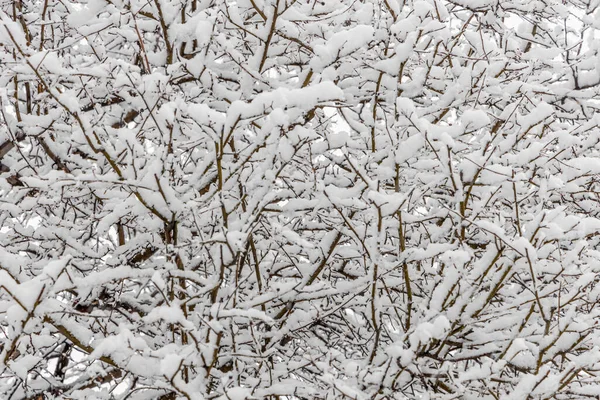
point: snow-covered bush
(299, 199)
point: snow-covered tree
(299, 199)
